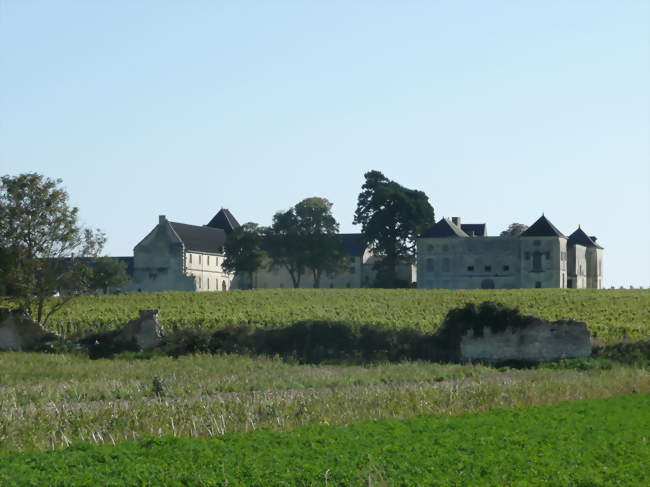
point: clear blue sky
(498, 110)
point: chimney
(456, 220)
(593, 238)
(162, 219)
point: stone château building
(453, 255)
(181, 257)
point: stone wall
(19, 331)
(541, 341)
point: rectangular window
(537, 262)
(488, 268)
(536, 243)
(208, 281)
(208, 262)
(470, 268)
(538, 284)
(445, 265)
(190, 258)
(506, 267)
(548, 256)
(199, 280)
(199, 258)
(527, 255)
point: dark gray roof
(579, 237)
(474, 229)
(224, 220)
(200, 239)
(542, 228)
(444, 228)
(353, 243)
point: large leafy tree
(305, 238)
(318, 231)
(243, 248)
(285, 247)
(107, 272)
(391, 217)
(514, 229)
(44, 248)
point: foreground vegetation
(50, 401)
(596, 443)
(610, 314)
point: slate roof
(542, 228)
(444, 228)
(224, 220)
(474, 229)
(353, 243)
(579, 237)
(200, 239)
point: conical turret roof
(579, 237)
(224, 220)
(542, 228)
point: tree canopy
(44, 249)
(391, 217)
(514, 229)
(243, 249)
(305, 238)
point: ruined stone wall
(541, 341)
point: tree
(306, 238)
(243, 250)
(44, 248)
(391, 217)
(514, 229)
(285, 246)
(318, 230)
(107, 272)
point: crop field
(610, 314)
(598, 442)
(54, 400)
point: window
(199, 283)
(506, 267)
(199, 258)
(445, 265)
(470, 268)
(348, 285)
(536, 243)
(208, 280)
(527, 255)
(548, 256)
(429, 265)
(488, 268)
(537, 262)
(208, 260)
(224, 286)
(538, 284)
(190, 258)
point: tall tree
(107, 272)
(44, 247)
(243, 249)
(514, 229)
(391, 217)
(318, 231)
(286, 249)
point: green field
(52, 400)
(604, 442)
(610, 314)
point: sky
(499, 111)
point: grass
(52, 401)
(602, 442)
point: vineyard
(612, 315)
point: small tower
(585, 260)
(543, 256)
